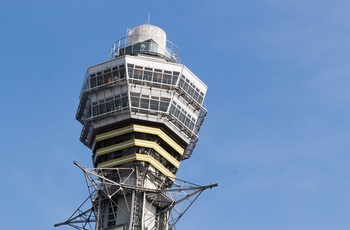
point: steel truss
(102, 188)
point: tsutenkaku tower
(141, 112)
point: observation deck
(149, 40)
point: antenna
(148, 19)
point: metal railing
(121, 47)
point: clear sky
(276, 138)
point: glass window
(181, 83)
(163, 106)
(157, 77)
(121, 71)
(107, 78)
(131, 70)
(102, 108)
(154, 104)
(117, 103)
(172, 109)
(176, 112)
(110, 104)
(93, 81)
(166, 79)
(124, 100)
(190, 91)
(144, 103)
(147, 75)
(115, 75)
(95, 110)
(137, 74)
(99, 80)
(139, 67)
(175, 77)
(134, 97)
(191, 125)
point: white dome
(145, 32)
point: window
(110, 104)
(121, 71)
(154, 103)
(191, 90)
(179, 113)
(147, 75)
(95, 110)
(134, 99)
(144, 103)
(166, 79)
(164, 104)
(124, 100)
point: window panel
(107, 78)
(175, 77)
(154, 105)
(138, 74)
(166, 79)
(115, 75)
(147, 76)
(144, 103)
(157, 77)
(124, 101)
(102, 108)
(99, 80)
(93, 82)
(121, 71)
(134, 102)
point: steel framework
(176, 200)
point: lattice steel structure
(141, 112)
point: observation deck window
(106, 77)
(152, 77)
(151, 105)
(191, 89)
(110, 104)
(185, 118)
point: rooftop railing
(170, 53)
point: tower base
(121, 204)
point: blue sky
(276, 137)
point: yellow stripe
(143, 129)
(161, 134)
(137, 157)
(141, 143)
(116, 147)
(114, 133)
(158, 149)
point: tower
(141, 112)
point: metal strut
(176, 200)
(80, 219)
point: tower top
(148, 32)
(148, 40)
